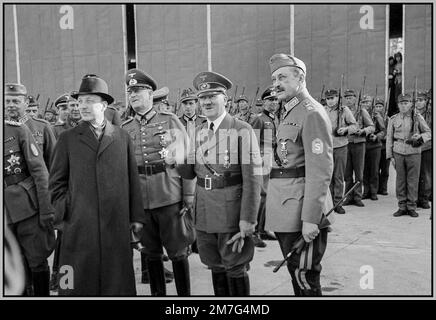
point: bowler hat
(92, 84)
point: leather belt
(14, 179)
(210, 183)
(152, 169)
(397, 139)
(277, 173)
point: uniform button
(144, 147)
(146, 161)
(281, 172)
(145, 154)
(143, 141)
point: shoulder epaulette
(13, 123)
(308, 105)
(127, 121)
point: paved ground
(397, 251)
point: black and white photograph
(210, 150)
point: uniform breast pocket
(288, 132)
(132, 135)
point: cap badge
(132, 74)
(132, 82)
(203, 77)
(204, 86)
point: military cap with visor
(188, 94)
(331, 93)
(15, 89)
(138, 78)
(161, 95)
(404, 97)
(209, 83)
(269, 93)
(63, 99)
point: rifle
(322, 92)
(299, 244)
(414, 142)
(387, 105)
(254, 99)
(359, 107)
(177, 106)
(243, 90)
(372, 136)
(46, 105)
(37, 97)
(233, 111)
(340, 109)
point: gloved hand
(372, 137)
(46, 220)
(417, 142)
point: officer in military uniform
(244, 110)
(356, 149)
(298, 190)
(425, 175)
(32, 107)
(372, 151)
(226, 162)
(343, 124)
(16, 104)
(383, 173)
(265, 127)
(190, 119)
(407, 132)
(67, 105)
(167, 198)
(26, 199)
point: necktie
(211, 133)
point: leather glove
(417, 142)
(46, 220)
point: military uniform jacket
(58, 128)
(380, 132)
(152, 135)
(232, 151)
(304, 138)
(248, 117)
(399, 129)
(346, 120)
(265, 128)
(22, 157)
(43, 135)
(427, 115)
(363, 122)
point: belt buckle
(148, 170)
(208, 183)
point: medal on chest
(284, 152)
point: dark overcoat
(95, 190)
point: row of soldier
(102, 177)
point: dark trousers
(407, 167)
(337, 183)
(355, 164)
(165, 227)
(260, 227)
(304, 268)
(371, 170)
(425, 175)
(383, 175)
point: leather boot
(312, 292)
(41, 280)
(157, 278)
(145, 278)
(240, 287)
(220, 284)
(297, 289)
(181, 277)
